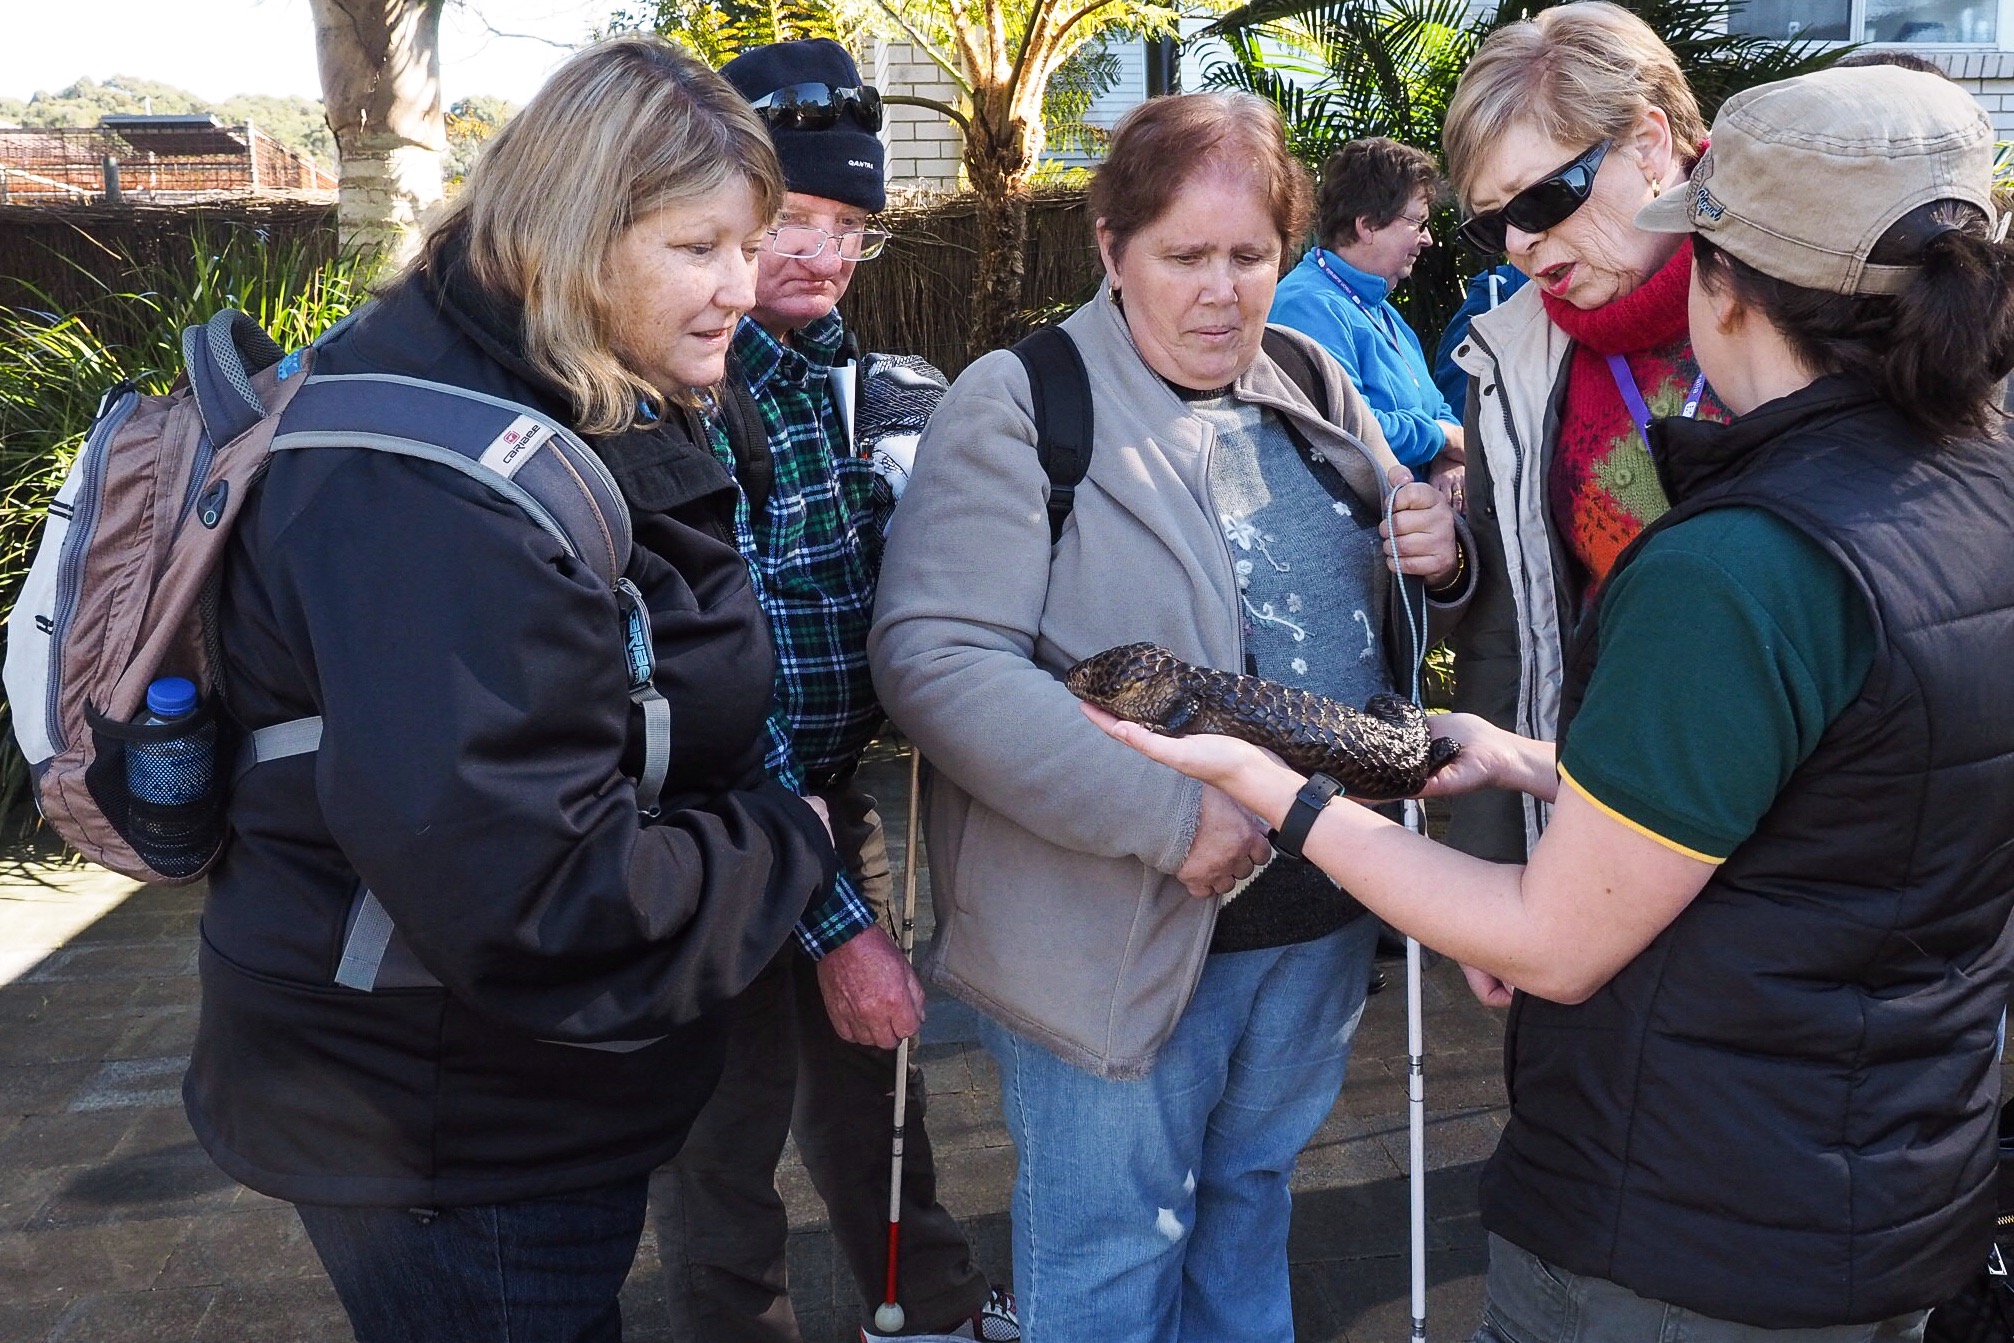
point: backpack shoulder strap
(220, 358)
(748, 437)
(523, 455)
(1060, 389)
(1298, 365)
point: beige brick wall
(1989, 77)
(923, 146)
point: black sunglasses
(1537, 208)
(816, 107)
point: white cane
(888, 1316)
(1416, 1032)
(1416, 1114)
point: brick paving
(114, 1226)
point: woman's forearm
(1592, 897)
(1463, 907)
(1532, 767)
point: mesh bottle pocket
(162, 786)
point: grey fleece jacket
(1052, 845)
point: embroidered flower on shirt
(1300, 666)
(1242, 534)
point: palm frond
(719, 30)
(1087, 75)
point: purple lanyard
(1377, 318)
(1632, 396)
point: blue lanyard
(1632, 397)
(1377, 317)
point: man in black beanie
(812, 1049)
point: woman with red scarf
(1562, 128)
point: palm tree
(1004, 57)
(1342, 69)
(1001, 55)
(719, 30)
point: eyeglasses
(1537, 208)
(816, 107)
(803, 242)
(1416, 225)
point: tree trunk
(997, 167)
(381, 85)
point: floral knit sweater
(1602, 487)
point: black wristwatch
(1308, 803)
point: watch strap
(1315, 794)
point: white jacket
(1518, 359)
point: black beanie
(844, 163)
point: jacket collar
(660, 463)
(1695, 455)
(1516, 331)
(810, 351)
(1119, 374)
(1372, 289)
(492, 324)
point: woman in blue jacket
(1371, 217)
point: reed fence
(915, 298)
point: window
(1929, 22)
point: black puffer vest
(1781, 1112)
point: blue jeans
(546, 1269)
(1156, 1210)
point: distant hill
(293, 121)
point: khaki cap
(1803, 177)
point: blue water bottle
(169, 777)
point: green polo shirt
(1727, 648)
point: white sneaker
(994, 1322)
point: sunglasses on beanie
(817, 107)
(1537, 208)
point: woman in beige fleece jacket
(1164, 1056)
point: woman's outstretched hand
(1215, 760)
(1249, 775)
(1481, 762)
(1490, 758)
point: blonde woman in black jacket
(468, 1130)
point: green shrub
(54, 368)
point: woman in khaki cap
(1761, 951)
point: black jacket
(1783, 1111)
(472, 774)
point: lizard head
(1137, 682)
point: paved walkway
(115, 1226)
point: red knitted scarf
(1602, 487)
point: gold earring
(1657, 186)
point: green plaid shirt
(812, 554)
